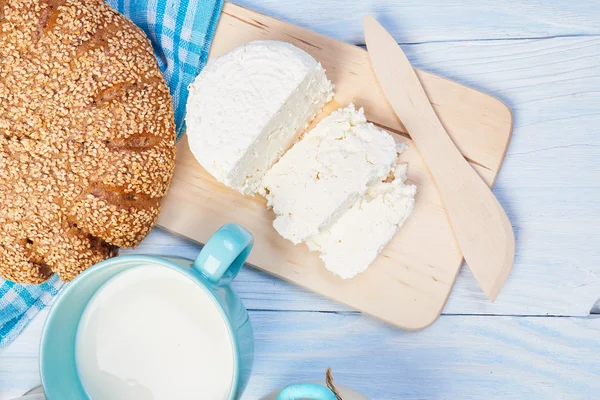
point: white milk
(151, 333)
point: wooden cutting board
(410, 281)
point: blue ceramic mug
(213, 270)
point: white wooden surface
(459, 357)
(423, 21)
(544, 62)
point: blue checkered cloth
(181, 32)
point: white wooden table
(538, 340)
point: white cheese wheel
(247, 107)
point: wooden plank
(408, 284)
(260, 291)
(457, 358)
(549, 184)
(418, 21)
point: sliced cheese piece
(323, 174)
(247, 107)
(357, 237)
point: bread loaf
(87, 137)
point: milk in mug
(151, 332)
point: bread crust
(87, 137)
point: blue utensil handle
(223, 255)
(312, 391)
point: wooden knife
(480, 225)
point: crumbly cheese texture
(353, 242)
(323, 174)
(247, 107)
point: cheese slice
(357, 237)
(323, 174)
(247, 107)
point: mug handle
(312, 391)
(223, 255)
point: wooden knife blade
(481, 227)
